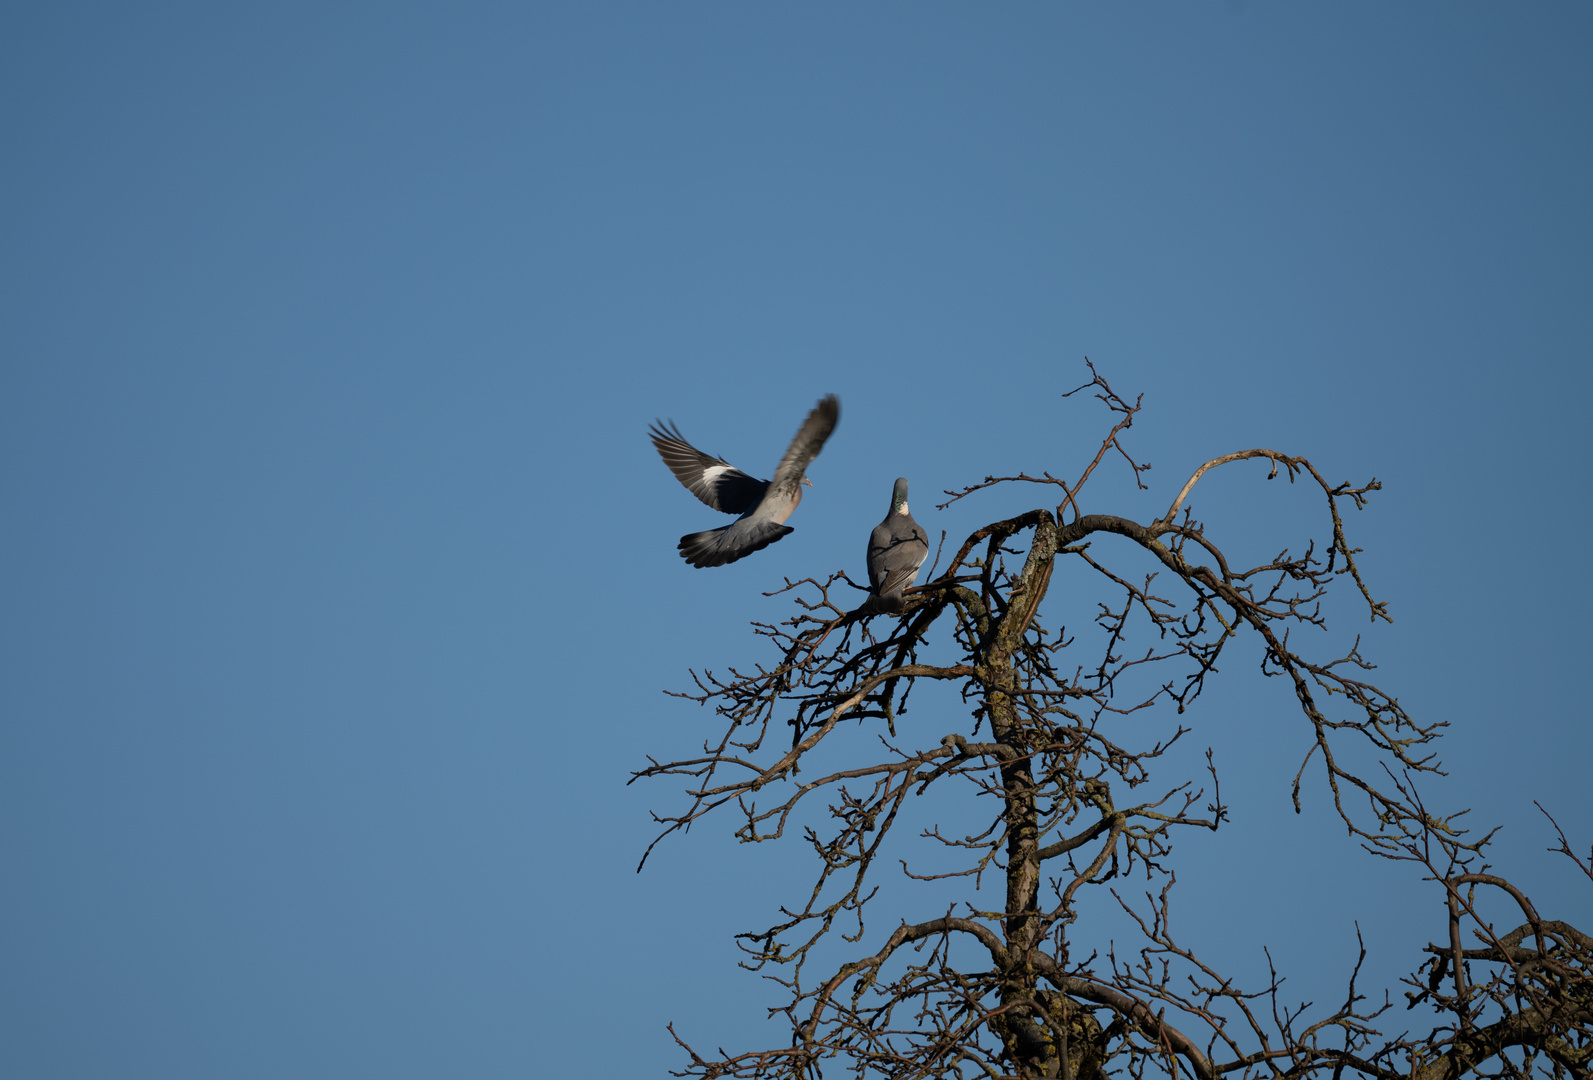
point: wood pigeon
(896, 549)
(763, 504)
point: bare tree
(1077, 807)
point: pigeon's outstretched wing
(809, 440)
(896, 549)
(715, 481)
(763, 505)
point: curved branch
(905, 934)
(1131, 1009)
(1289, 462)
(1526, 1028)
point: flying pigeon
(763, 504)
(896, 549)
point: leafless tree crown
(971, 992)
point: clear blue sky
(339, 578)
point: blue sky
(340, 578)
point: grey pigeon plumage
(896, 549)
(763, 505)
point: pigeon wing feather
(807, 444)
(715, 481)
(896, 549)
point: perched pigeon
(896, 549)
(763, 504)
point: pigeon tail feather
(882, 605)
(719, 547)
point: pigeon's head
(899, 496)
